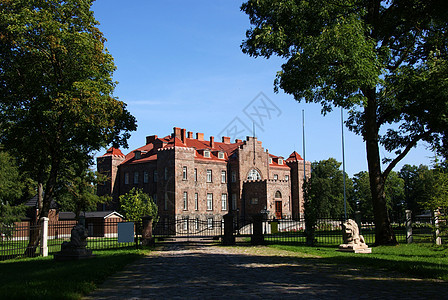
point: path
(198, 271)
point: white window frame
(207, 153)
(184, 173)
(196, 201)
(221, 155)
(145, 177)
(287, 177)
(185, 200)
(280, 161)
(209, 201)
(195, 174)
(223, 201)
(223, 176)
(275, 176)
(209, 175)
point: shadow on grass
(41, 278)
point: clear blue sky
(179, 64)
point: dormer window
(138, 154)
(207, 153)
(270, 160)
(221, 155)
(280, 161)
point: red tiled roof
(113, 151)
(294, 157)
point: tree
(56, 103)
(414, 186)
(324, 194)
(137, 204)
(384, 61)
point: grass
(417, 260)
(44, 278)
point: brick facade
(189, 177)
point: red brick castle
(192, 178)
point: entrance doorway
(278, 209)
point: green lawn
(44, 278)
(420, 260)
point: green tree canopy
(384, 61)
(56, 101)
(137, 204)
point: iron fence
(186, 228)
(14, 240)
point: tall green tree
(415, 185)
(56, 89)
(137, 204)
(384, 61)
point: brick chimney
(212, 142)
(190, 134)
(199, 136)
(150, 139)
(183, 135)
(176, 132)
(226, 140)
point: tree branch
(408, 148)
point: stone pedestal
(353, 241)
(147, 238)
(257, 237)
(228, 239)
(76, 248)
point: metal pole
(343, 163)
(303, 136)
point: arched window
(253, 175)
(278, 194)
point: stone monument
(353, 241)
(76, 248)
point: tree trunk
(33, 242)
(384, 234)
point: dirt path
(201, 271)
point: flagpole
(343, 163)
(303, 136)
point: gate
(188, 228)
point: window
(195, 174)
(287, 177)
(155, 198)
(196, 202)
(210, 223)
(126, 178)
(184, 173)
(135, 177)
(280, 161)
(185, 201)
(221, 155)
(196, 224)
(166, 173)
(270, 160)
(223, 177)
(275, 176)
(234, 205)
(224, 202)
(278, 194)
(155, 176)
(207, 153)
(138, 154)
(209, 175)
(145, 177)
(253, 175)
(209, 201)
(254, 201)
(233, 176)
(185, 223)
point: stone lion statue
(77, 239)
(352, 239)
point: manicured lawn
(44, 278)
(418, 260)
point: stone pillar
(44, 236)
(437, 237)
(257, 237)
(409, 238)
(147, 239)
(228, 238)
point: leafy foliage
(385, 61)
(56, 102)
(137, 204)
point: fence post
(358, 220)
(228, 238)
(437, 237)
(409, 238)
(147, 239)
(257, 237)
(44, 237)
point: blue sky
(179, 64)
